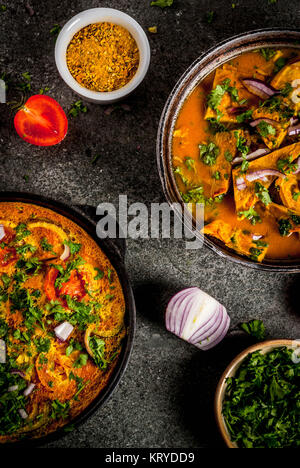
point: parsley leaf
(21, 232)
(60, 410)
(210, 16)
(286, 165)
(209, 153)
(262, 193)
(98, 348)
(42, 344)
(267, 53)
(215, 96)
(244, 116)
(285, 227)
(77, 108)
(266, 129)
(190, 163)
(162, 3)
(254, 328)
(81, 361)
(74, 248)
(250, 214)
(46, 247)
(99, 275)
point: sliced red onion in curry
(262, 174)
(251, 156)
(259, 88)
(294, 130)
(241, 183)
(256, 122)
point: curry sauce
(236, 149)
(53, 277)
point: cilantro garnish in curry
(52, 273)
(261, 404)
(236, 150)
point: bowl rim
(231, 370)
(255, 38)
(98, 15)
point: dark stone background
(165, 398)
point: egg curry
(61, 321)
(236, 150)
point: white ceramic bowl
(99, 15)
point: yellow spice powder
(103, 57)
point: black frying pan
(85, 217)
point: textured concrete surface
(165, 398)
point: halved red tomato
(74, 287)
(7, 256)
(41, 121)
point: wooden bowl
(231, 371)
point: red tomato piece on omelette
(74, 287)
(41, 121)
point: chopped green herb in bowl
(257, 399)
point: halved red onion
(23, 413)
(2, 232)
(29, 389)
(208, 329)
(2, 352)
(251, 156)
(18, 372)
(217, 338)
(13, 388)
(196, 317)
(294, 130)
(174, 318)
(66, 253)
(170, 319)
(262, 174)
(241, 183)
(256, 122)
(63, 331)
(206, 340)
(259, 88)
